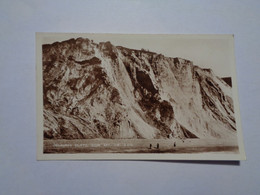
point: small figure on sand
(157, 146)
(174, 144)
(150, 146)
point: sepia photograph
(129, 97)
(137, 96)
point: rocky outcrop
(100, 90)
(228, 80)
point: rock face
(103, 91)
(228, 80)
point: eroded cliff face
(102, 91)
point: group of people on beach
(158, 146)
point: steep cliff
(100, 90)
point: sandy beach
(140, 146)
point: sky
(207, 51)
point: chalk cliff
(100, 90)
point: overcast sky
(207, 51)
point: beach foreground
(140, 146)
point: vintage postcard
(137, 96)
